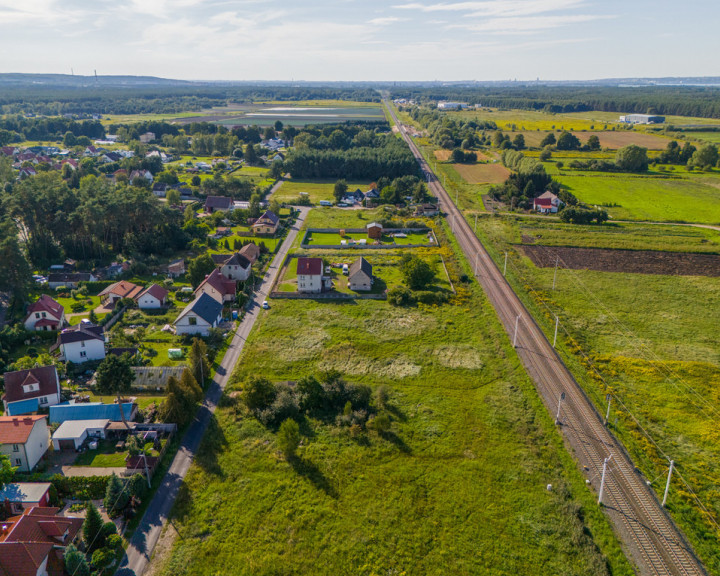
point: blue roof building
(91, 411)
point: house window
(43, 400)
(16, 448)
(82, 344)
(192, 321)
(18, 462)
(37, 314)
(83, 354)
(44, 315)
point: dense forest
(97, 99)
(359, 151)
(669, 100)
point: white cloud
(526, 24)
(386, 20)
(495, 7)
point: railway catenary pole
(557, 260)
(560, 401)
(505, 267)
(517, 322)
(667, 485)
(557, 322)
(602, 480)
(608, 397)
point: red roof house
(217, 286)
(45, 314)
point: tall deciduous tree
(632, 158)
(115, 376)
(199, 268)
(288, 438)
(340, 189)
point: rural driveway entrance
(140, 548)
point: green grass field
(316, 190)
(634, 197)
(458, 487)
(652, 339)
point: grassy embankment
(458, 486)
(651, 339)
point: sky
(341, 40)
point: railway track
(650, 537)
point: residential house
(72, 434)
(141, 174)
(152, 298)
(147, 137)
(360, 275)
(24, 440)
(82, 343)
(427, 210)
(19, 496)
(123, 289)
(547, 203)
(353, 197)
(34, 544)
(310, 275)
(198, 317)
(91, 411)
(374, 230)
(176, 268)
(372, 194)
(233, 266)
(160, 189)
(115, 269)
(45, 314)
(69, 280)
(251, 251)
(218, 204)
(268, 223)
(28, 390)
(218, 287)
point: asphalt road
(649, 536)
(139, 552)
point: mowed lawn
(458, 487)
(633, 197)
(316, 190)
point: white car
(265, 304)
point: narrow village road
(139, 551)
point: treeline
(668, 100)
(50, 101)
(351, 151)
(16, 128)
(527, 181)
(95, 222)
(449, 132)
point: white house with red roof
(45, 314)
(118, 291)
(233, 266)
(24, 440)
(547, 203)
(217, 286)
(33, 544)
(28, 390)
(310, 275)
(152, 298)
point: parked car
(265, 304)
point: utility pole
(667, 486)
(602, 480)
(456, 199)
(557, 322)
(560, 401)
(557, 259)
(476, 262)
(608, 397)
(517, 321)
(147, 472)
(475, 224)
(505, 267)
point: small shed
(72, 433)
(374, 230)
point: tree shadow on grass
(396, 412)
(309, 470)
(212, 444)
(393, 438)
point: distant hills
(78, 81)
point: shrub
(427, 297)
(288, 438)
(400, 296)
